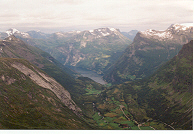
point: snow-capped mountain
(90, 35)
(16, 32)
(101, 32)
(149, 50)
(12, 31)
(173, 32)
(90, 49)
(183, 26)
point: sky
(69, 15)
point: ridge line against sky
(69, 15)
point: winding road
(121, 107)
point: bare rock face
(47, 82)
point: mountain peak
(13, 31)
(183, 26)
(101, 32)
(174, 29)
(158, 34)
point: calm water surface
(90, 74)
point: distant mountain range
(152, 80)
(41, 35)
(91, 49)
(107, 51)
(131, 35)
(149, 50)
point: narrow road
(165, 124)
(152, 128)
(169, 126)
(121, 107)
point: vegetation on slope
(13, 47)
(26, 105)
(166, 97)
(162, 101)
(89, 50)
(147, 53)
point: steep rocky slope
(148, 51)
(30, 99)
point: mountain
(91, 49)
(13, 47)
(15, 32)
(163, 101)
(149, 50)
(131, 34)
(24, 35)
(173, 84)
(30, 99)
(38, 34)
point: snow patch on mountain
(103, 31)
(113, 29)
(59, 34)
(105, 34)
(168, 33)
(91, 31)
(161, 34)
(13, 31)
(183, 26)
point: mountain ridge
(148, 51)
(13, 47)
(90, 49)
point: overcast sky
(68, 15)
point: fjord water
(90, 74)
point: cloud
(84, 14)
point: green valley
(38, 92)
